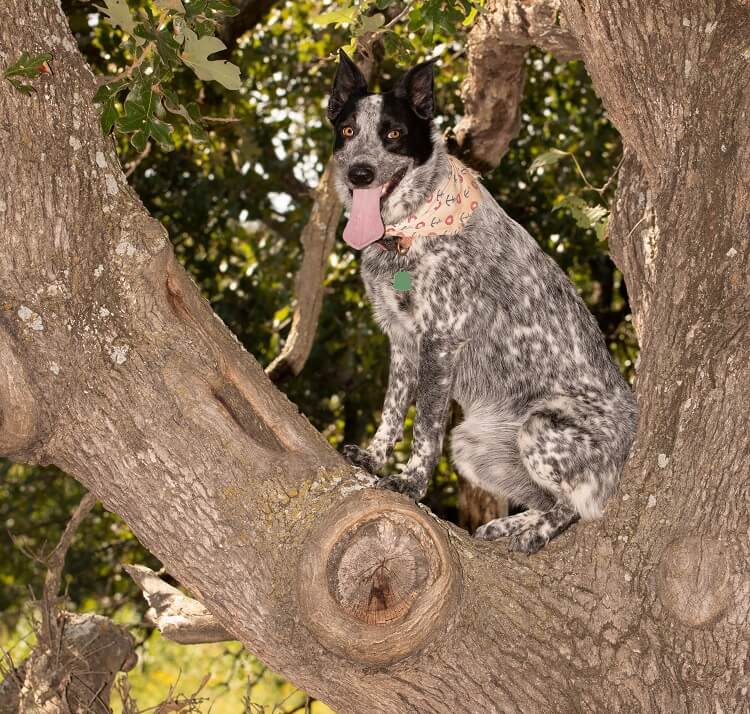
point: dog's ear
(417, 87)
(349, 82)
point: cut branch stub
(378, 579)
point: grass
(237, 681)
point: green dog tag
(402, 281)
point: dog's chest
(394, 295)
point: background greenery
(234, 206)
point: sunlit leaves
(586, 215)
(167, 5)
(548, 158)
(195, 55)
(27, 67)
(370, 23)
(177, 36)
(340, 16)
(106, 95)
(118, 13)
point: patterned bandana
(444, 212)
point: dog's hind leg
(573, 448)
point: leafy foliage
(27, 67)
(162, 39)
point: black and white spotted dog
(489, 321)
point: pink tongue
(365, 225)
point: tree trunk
(115, 369)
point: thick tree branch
(317, 237)
(492, 92)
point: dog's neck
(419, 183)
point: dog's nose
(361, 174)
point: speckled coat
(493, 323)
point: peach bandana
(444, 212)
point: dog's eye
(347, 131)
(393, 134)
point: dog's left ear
(418, 88)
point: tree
(114, 369)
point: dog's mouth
(365, 224)
(390, 186)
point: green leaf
(584, 214)
(162, 132)
(28, 66)
(190, 113)
(138, 140)
(108, 117)
(195, 55)
(118, 13)
(469, 19)
(396, 46)
(227, 9)
(339, 16)
(198, 133)
(548, 158)
(21, 87)
(370, 23)
(170, 6)
(109, 91)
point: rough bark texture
(127, 381)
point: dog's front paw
(359, 457)
(413, 487)
(490, 531)
(529, 541)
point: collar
(395, 244)
(444, 212)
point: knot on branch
(18, 427)
(378, 579)
(695, 580)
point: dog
(475, 312)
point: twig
(136, 162)
(55, 562)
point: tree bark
(116, 370)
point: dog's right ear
(349, 82)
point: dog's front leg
(435, 375)
(402, 378)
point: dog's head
(383, 145)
